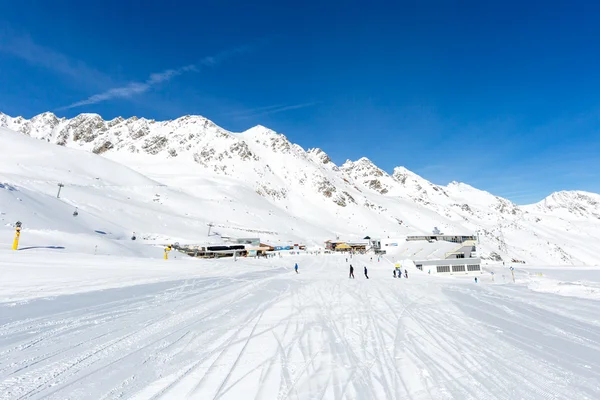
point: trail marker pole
(60, 186)
(17, 235)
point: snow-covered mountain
(258, 181)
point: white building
(447, 254)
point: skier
(367, 276)
(351, 272)
(406, 274)
(429, 272)
(475, 279)
(371, 259)
(394, 272)
(296, 267)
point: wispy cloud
(23, 47)
(261, 111)
(135, 88)
(252, 110)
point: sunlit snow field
(83, 326)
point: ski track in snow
(272, 334)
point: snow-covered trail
(318, 335)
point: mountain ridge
(32, 127)
(303, 183)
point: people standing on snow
(475, 279)
(406, 274)
(394, 272)
(351, 272)
(371, 259)
(367, 276)
(296, 267)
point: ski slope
(113, 201)
(253, 329)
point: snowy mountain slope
(116, 201)
(257, 181)
(569, 205)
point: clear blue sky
(501, 95)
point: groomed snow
(253, 329)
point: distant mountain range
(354, 199)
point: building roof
(442, 235)
(357, 242)
(422, 250)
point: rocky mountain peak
(277, 142)
(576, 202)
(363, 167)
(319, 155)
(368, 174)
(403, 175)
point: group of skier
(351, 275)
(399, 273)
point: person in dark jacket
(394, 272)
(367, 276)
(406, 274)
(351, 272)
(296, 267)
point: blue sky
(501, 95)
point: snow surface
(88, 313)
(254, 329)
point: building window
(473, 267)
(458, 268)
(420, 266)
(460, 255)
(443, 268)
